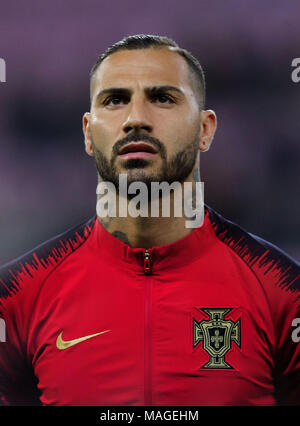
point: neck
(147, 232)
(168, 227)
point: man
(144, 310)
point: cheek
(184, 122)
(101, 135)
(183, 134)
(184, 127)
(193, 126)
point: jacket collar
(169, 256)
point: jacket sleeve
(287, 357)
(20, 283)
(17, 380)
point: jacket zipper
(147, 262)
(148, 330)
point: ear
(87, 134)
(208, 128)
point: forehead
(147, 67)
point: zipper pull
(147, 262)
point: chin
(138, 175)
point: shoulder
(37, 264)
(268, 262)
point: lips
(137, 150)
(137, 147)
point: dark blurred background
(251, 173)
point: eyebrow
(158, 89)
(127, 92)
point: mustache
(136, 137)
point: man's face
(145, 119)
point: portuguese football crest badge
(216, 334)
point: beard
(176, 169)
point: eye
(163, 98)
(115, 100)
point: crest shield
(217, 335)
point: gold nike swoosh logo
(65, 344)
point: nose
(138, 117)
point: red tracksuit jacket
(206, 320)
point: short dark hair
(146, 41)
